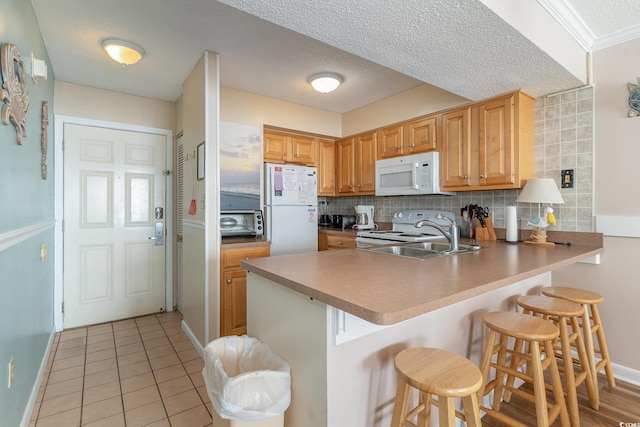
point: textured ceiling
(270, 47)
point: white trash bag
(245, 379)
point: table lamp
(540, 191)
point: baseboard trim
(28, 411)
(626, 374)
(193, 339)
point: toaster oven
(241, 223)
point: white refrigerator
(291, 208)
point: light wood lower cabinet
(233, 288)
(328, 241)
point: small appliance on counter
(344, 222)
(324, 219)
(241, 223)
(364, 217)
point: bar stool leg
(446, 411)
(590, 380)
(604, 350)
(401, 404)
(556, 384)
(542, 416)
(471, 410)
(501, 361)
(569, 374)
(587, 333)
(424, 417)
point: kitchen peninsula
(340, 317)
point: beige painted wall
(617, 157)
(97, 104)
(193, 295)
(244, 107)
(418, 101)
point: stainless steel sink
(404, 251)
(443, 247)
(421, 250)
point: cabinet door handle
(398, 147)
(295, 155)
(285, 153)
(229, 281)
(481, 176)
(411, 145)
(464, 177)
(339, 242)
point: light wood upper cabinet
(391, 142)
(326, 168)
(455, 149)
(286, 148)
(421, 135)
(416, 136)
(233, 288)
(345, 166)
(355, 163)
(489, 145)
(365, 145)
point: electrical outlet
(10, 374)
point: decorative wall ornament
(14, 93)
(43, 139)
(634, 98)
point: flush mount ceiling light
(122, 51)
(325, 82)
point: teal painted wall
(26, 282)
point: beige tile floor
(135, 372)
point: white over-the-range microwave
(409, 175)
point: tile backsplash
(563, 140)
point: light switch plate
(567, 178)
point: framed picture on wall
(200, 158)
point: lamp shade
(540, 190)
(122, 51)
(325, 82)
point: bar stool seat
(591, 324)
(562, 313)
(503, 328)
(435, 372)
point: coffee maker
(364, 217)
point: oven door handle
(414, 176)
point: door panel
(113, 269)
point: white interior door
(114, 224)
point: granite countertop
(386, 289)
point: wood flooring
(619, 404)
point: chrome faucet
(452, 235)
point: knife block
(487, 232)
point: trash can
(247, 382)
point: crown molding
(569, 19)
(617, 38)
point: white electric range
(404, 229)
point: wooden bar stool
(536, 332)
(563, 312)
(589, 300)
(435, 372)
